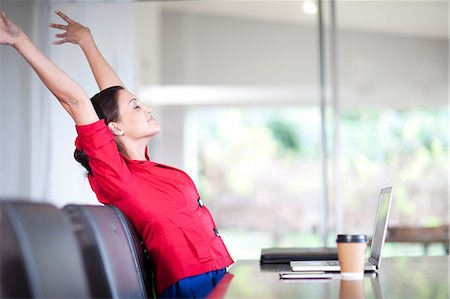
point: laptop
(378, 237)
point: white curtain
(36, 142)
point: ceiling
(416, 18)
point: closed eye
(134, 104)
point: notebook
(378, 238)
(277, 255)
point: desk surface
(399, 277)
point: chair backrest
(113, 255)
(39, 256)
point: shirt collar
(128, 161)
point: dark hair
(107, 108)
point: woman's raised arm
(71, 96)
(78, 34)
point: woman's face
(135, 118)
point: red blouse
(163, 204)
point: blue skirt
(198, 286)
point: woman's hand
(9, 32)
(74, 32)
(78, 34)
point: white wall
(15, 113)
(374, 68)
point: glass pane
(260, 172)
(247, 72)
(394, 122)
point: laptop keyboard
(333, 263)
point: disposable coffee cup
(351, 254)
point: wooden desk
(401, 277)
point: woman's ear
(116, 129)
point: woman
(188, 255)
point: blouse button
(216, 232)
(200, 203)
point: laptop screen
(382, 217)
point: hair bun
(83, 159)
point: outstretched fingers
(3, 24)
(2, 18)
(59, 26)
(64, 17)
(5, 18)
(73, 32)
(63, 36)
(59, 42)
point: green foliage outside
(260, 168)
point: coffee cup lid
(351, 239)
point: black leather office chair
(113, 255)
(39, 256)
